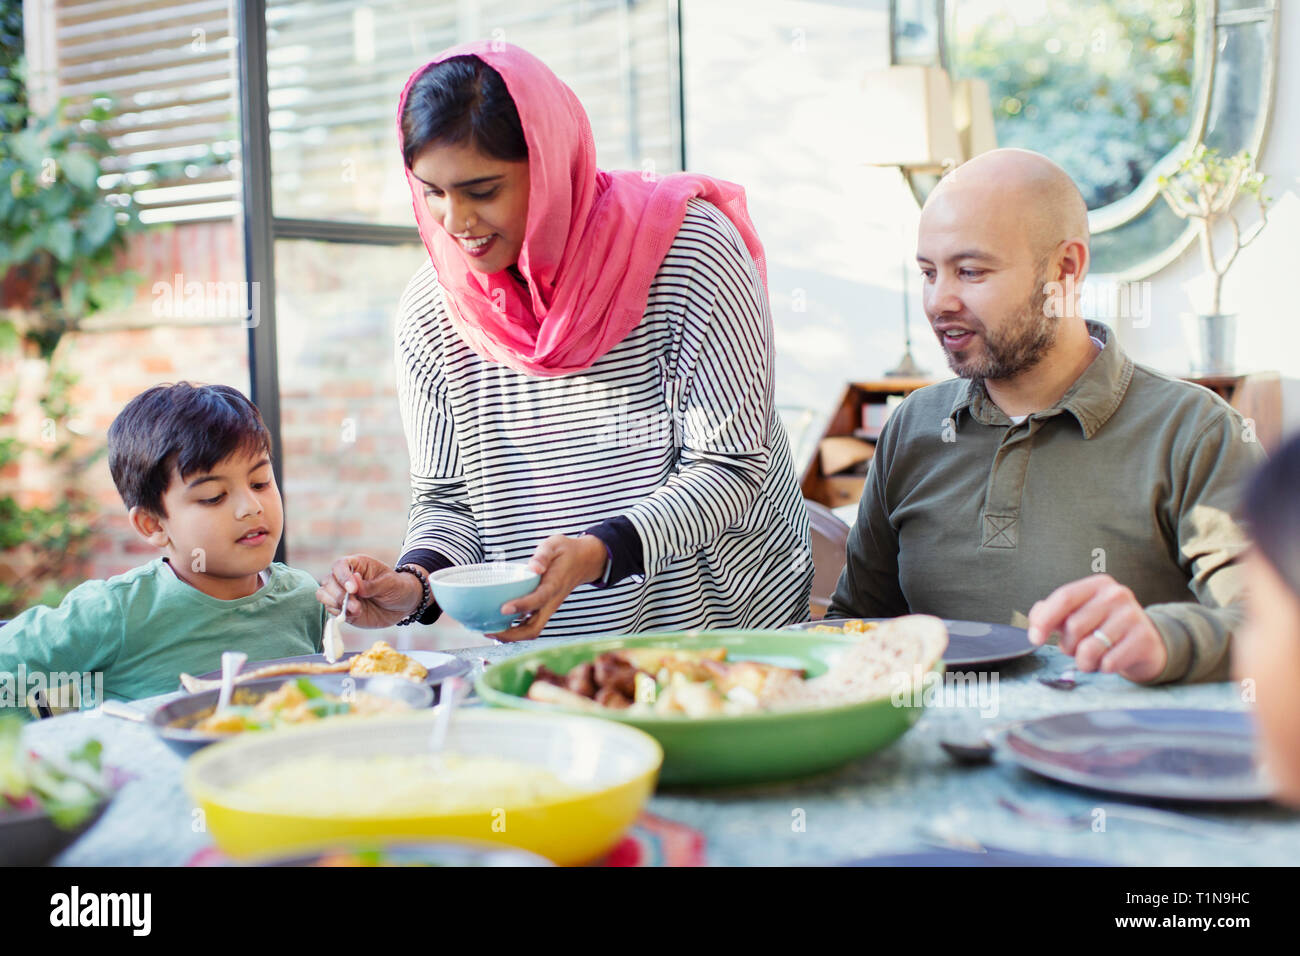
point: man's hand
(378, 595)
(1097, 607)
(564, 563)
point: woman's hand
(563, 563)
(379, 596)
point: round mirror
(1102, 88)
(1115, 91)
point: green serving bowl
(731, 749)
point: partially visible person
(1055, 480)
(193, 466)
(1267, 653)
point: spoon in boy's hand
(332, 642)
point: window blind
(169, 67)
(335, 69)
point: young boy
(192, 463)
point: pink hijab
(592, 244)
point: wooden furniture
(845, 489)
(1225, 386)
(1256, 396)
(830, 540)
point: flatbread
(196, 684)
(895, 655)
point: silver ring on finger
(1101, 636)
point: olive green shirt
(969, 516)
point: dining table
(908, 801)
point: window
(168, 66)
(1117, 91)
(335, 72)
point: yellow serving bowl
(614, 766)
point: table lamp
(933, 127)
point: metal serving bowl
(165, 718)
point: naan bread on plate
(894, 655)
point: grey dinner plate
(1156, 754)
(970, 643)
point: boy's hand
(378, 595)
(564, 563)
(1102, 626)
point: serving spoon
(1068, 680)
(452, 692)
(332, 641)
(976, 752)
(231, 663)
(981, 749)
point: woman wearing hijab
(584, 373)
(1267, 652)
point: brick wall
(345, 463)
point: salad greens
(320, 704)
(268, 713)
(68, 789)
(308, 689)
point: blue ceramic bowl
(473, 593)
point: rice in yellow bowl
(408, 784)
(561, 786)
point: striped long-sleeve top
(669, 449)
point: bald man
(1053, 481)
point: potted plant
(61, 233)
(1202, 190)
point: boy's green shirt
(143, 628)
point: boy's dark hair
(189, 427)
(462, 100)
(1273, 510)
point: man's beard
(1015, 348)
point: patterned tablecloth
(907, 797)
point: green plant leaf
(60, 239)
(81, 169)
(74, 297)
(54, 203)
(109, 291)
(21, 249)
(28, 148)
(99, 225)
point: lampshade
(910, 110)
(972, 114)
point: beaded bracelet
(427, 595)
